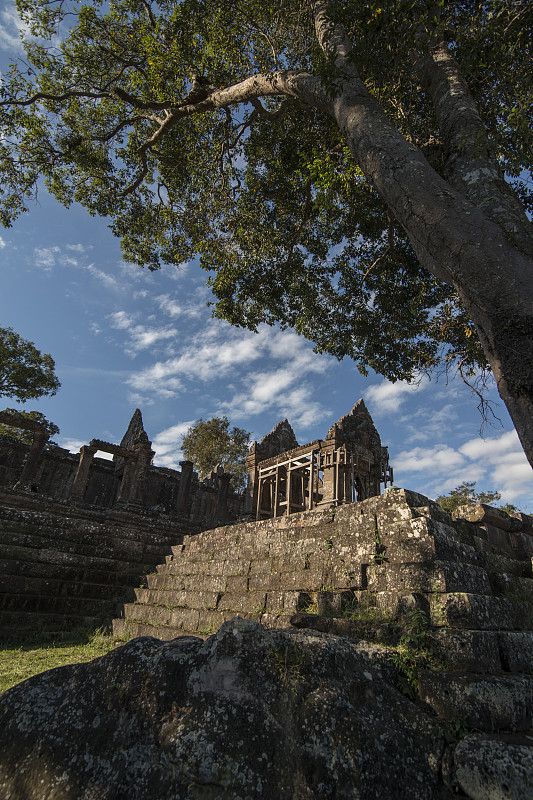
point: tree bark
(453, 238)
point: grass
(22, 659)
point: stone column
(127, 485)
(81, 477)
(221, 511)
(250, 503)
(185, 486)
(32, 462)
(145, 455)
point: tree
(210, 443)
(354, 170)
(25, 373)
(22, 434)
(465, 493)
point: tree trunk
(457, 243)
(453, 238)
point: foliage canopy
(465, 493)
(25, 372)
(210, 443)
(337, 166)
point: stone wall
(391, 552)
(57, 468)
(63, 567)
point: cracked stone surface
(249, 713)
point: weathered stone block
(398, 603)
(467, 651)
(242, 602)
(436, 576)
(332, 604)
(495, 768)
(426, 540)
(516, 650)
(186, 619)
(286, 602)
(514, 586)
(306, 580)
(237, 584)
(235, 568)
(473, 611)
(485, 703)
(267, 582)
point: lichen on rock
(249, 713)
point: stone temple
(330, 566)
(80, 532)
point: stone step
(515, 560)
(46, 604)
(84, 573)
(124, 630)
(106, 547)
(88, 518)
(436, 576)
(56, 556)
(171, 623)
(314, 572)
(512, 586)
(178, 599)
(167, 581)
(441, 546)
(481, 702)
(19, 623)
(76, 532)
(188, 610)
(503, 542)
(466, 651)
(426, 539)
(26, 585)
(470, 611)
(275, 554)
(516, 650)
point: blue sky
(123, 337)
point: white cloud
(490, 449)
(429, 460)
(386, 396)
(2, 243)
(46, 257)
(121, 320)
(167, 445)
(103, 277)
(79, 248)
(11, 29)
(220, 351)
(169, 306)
(73, 445)
(141, 337)
(497, 463)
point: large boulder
(250, 713)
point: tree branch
(272, 115)
(333, 40)
(55, 97)
(472, 166)
(305, 215)
(260, 85)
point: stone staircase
(60, 571)
(394, 552)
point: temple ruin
(79, 532)
(349, 465)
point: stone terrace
(394, 551)
(66, 568)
